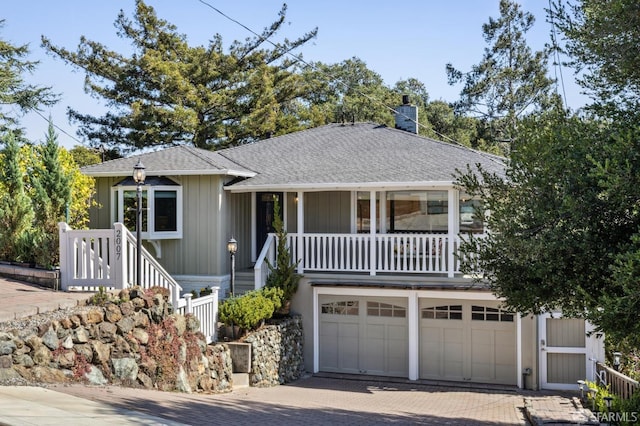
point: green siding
(327, 212)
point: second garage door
(363, 335)
(467, 341)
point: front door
(265, 215)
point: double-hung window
(161, 207)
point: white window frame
(117, 198)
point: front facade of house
(375, 221)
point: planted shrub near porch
(251, 309)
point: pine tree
(52, 197)
(16, 213)
(510, 80)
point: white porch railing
(390, 253)
(107, 258)
(397, 253)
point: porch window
(417, 211)
(161, 207)
(470, 220)
(363, 212)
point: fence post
(188, 309)
(66, 268)
(214, 312)
(119, 255)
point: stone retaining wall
(276, 353)
(134, 341)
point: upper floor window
(161, 207)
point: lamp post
(232, 248)
(139, 176)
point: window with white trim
(161, 207)
(485, 313)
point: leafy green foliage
(250, 309)
(167, 92)
(564, 223)
(601, 39)
(510, 80)
(283, 274)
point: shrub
(251, 309)
(283, 274)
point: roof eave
(225, 172)
(337, 186)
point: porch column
(452, 227)
(300, 240)
(372, 230)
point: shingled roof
(335, 156)
(353, 155)
(178, 160)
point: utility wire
(57, 127)
(558, 64)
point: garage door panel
(467, 341)
(371, 340)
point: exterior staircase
(245, 281)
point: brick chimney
(407, 116)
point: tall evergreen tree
(167, 92)
(52, 198)
(510, 80)
(16, 213)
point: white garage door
(363, 335)
(467, 341)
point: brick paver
(20, 299)
(321, 401)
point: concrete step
(240, 380)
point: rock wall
(276, 353)
(133, 340)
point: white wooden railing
(398, 253)
(261, 268)
(389, 253)
(90, 259)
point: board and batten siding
(238, 225)
(202, 249)
(327, 212)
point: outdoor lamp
(139, 176)
(593, 392)
(232, 248)
(138, 173)
(607, 400)
(581, 384)
(616, 360)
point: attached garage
(467, 341)
(363, 335)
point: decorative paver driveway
(321, 401)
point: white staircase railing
(261, 268)
(90, 259)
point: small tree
(283, 275)
(52, 196)
(16, 213)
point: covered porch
(417, 231)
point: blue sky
(398, 40)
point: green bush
(251, 309)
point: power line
(56, 126)
(556, 52)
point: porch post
(120, 259)
(372, 230)
(452, 230)
(300, 248)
